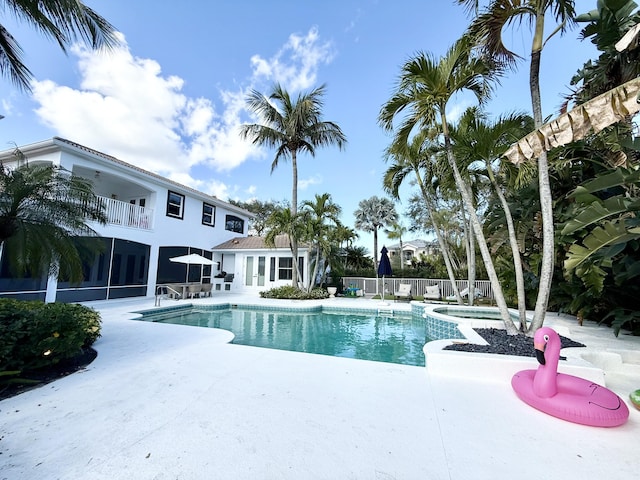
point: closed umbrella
(384, 267)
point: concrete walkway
(174, 402)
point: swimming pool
(363, 335)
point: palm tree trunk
(477, 229)
(515, 250)
(444, 249)
(312, 279)
(546, 206)
(471, 265)
(294, 212)
(375, 248)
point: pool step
(385, 309)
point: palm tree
(415, 158)
(297, 126)
(357, 258)
(425, 87)
(373, 214)
(283, 222)
(395, 232)
(477, 139)
(63, 21)
(321, 217)
(487, 30)
(43, 214)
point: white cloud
(307, 182)
(295, 65)
(7, 107)
(127, 108)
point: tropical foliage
(44, 212)
(35, 335)
(261, 211)
(290, 292)
(61, 20)
(321, 217)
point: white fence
(418, 285)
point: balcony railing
(127, 214)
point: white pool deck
(175, 402)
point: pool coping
(500, 367)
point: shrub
(293, 293)
(34, 335)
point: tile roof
(255, 243)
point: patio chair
(193, 291)
(205, 289)
(432, 293)
(404, 291)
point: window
(285, 268)
(175, 205)
(208, 215)
(234, 224)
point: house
(414, 250)
(262, 267)
(150, 220)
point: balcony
(127, 214)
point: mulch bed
(45, 375)
(502, 343)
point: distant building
(413, 250)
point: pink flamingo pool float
(564, 396)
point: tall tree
(414, 159)
(261, 211)
(425, 86)
(478, 139)
(296, 126)
(44, 211)
(64, 21)
(487, 30)
(372, 215)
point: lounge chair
(432, 293)
(404, 291)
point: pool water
(365, 336)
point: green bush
(294, 293)
(34, 334)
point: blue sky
(171, 98)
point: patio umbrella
(384, 267)
(192, 259)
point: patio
(168, 401)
